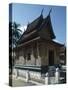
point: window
(28, 56)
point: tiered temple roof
(34, 27)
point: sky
(26, 13)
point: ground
(18, 82)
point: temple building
(36, 45)
(36, 49)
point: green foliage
(14, 33)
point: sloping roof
(34, 27)
(37, 22)
(58, 44)
(47, 22)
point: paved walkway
(18, 82)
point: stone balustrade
(50, 77)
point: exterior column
(17, 73)
(39, 62)
(27, 76)
(46, 78)
(33, 58)
(37, 49)
(57, 76)
(24, 55)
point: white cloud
(23, 28)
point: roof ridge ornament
(50, 11)
(28, 23)
(42, 11)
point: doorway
(51, 57)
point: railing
(51, 74)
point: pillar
(17, 73)
(46, 79)
(39, 60)
(27, 76)
(57, 76)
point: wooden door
(51, 57)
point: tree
(14, 35)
